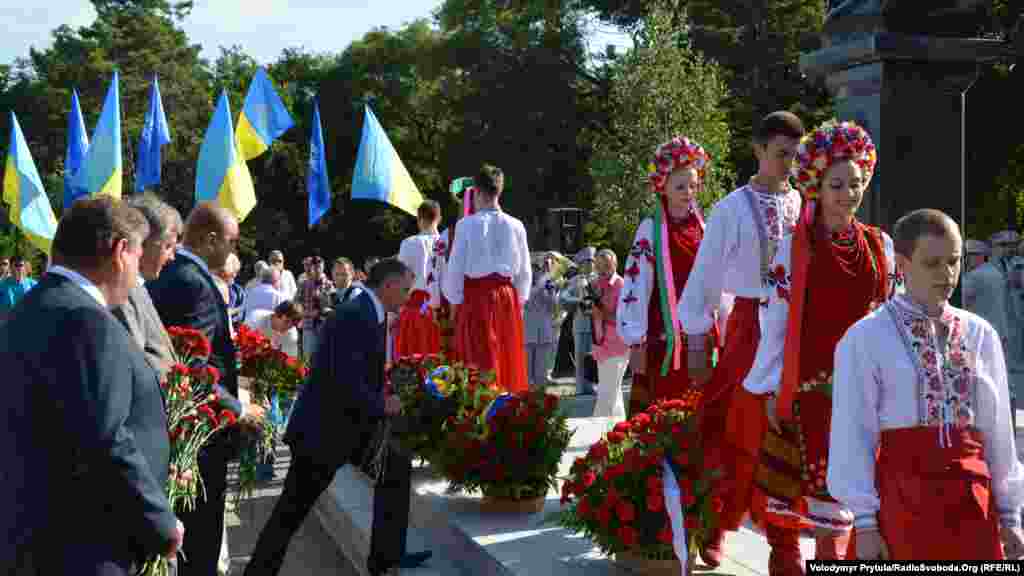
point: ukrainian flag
(263, 117)
(380, 174)
(221, 174)
(27, 202)
(100, 173)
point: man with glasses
(14, 287)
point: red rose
(615, 471)
(588, 479)
(655, 501)
(625, 510)
(623, 427)
(584, 509)
(604, 515)
(692, 522)
(717, 505)
(211, 374)
(682, 459)
(612, 498)
(665, 534)
(598, 452)
(550, 403)
(653, 483)
(689, 499)
(629, 536)
(228, 416)
(615, 437)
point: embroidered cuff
(1009, 518)
(866, 522)
(695, 342)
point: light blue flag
(78, 145)
(264, 117)
(155, 133)
(317, 183)
(100, 174)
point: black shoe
(414, 560)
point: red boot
(785, 558)
(831, 545)
(711, 551)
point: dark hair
(385, 270)
(781, 123)
(289, 309)
(923, 222)
(343, 260)
(487, 180)
(88, 231)
(16, 260)
(429, 210)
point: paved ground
(311, 553)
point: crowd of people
(840, 392)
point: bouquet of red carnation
(615, 493)
(508, 446)
(194, 416)
(424, 385)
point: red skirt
(489, 331)
(936, 503)
(418, 332)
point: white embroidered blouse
(892, 371)
(488, 242)
(417, 252)
(739, 243)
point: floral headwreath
(679, 152)
(821, 148)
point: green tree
(660, 89)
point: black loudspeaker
(564, 230)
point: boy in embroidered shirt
(418, 332)
(923, 385)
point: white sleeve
(853, 439)
(703, 292)
(766, 373)
(993, 421)
(434, 270)
(895, 278)
(409, 254)
(638, 284)
(524, 277)
(454, 277)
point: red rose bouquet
(615, 493)
(193, 418)
(508, 446)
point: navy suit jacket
(185, 295)
(337, 411)
(84, 446)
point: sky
(262, 27)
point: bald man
(185, 294)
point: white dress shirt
(83, 282)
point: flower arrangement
(425, 385)
(193, 418)
(507, 446)
(274, 376)
(615, 496)
(679, 152)
(829, 142)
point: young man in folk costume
(739, 244)
(921, 447)
(487, 282)
(418, 331)
(462, 190)
(659, 264)
(830, 273)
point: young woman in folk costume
(488, 281)
(830, 273)
(659, 264)
(418, 331)
(739, 244)
(462, 190)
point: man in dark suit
(185, 295)
(85, 448)
(335, 418)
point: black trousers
(204, 525)
(306, 480)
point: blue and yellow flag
(263, 117)
(221, 174)
(100, 173)
(78, 145)
(27, 202)
(380, 174)
(318, 185)
(155, 133)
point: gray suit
(142, 320)
(540, 333)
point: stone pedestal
(909, 91)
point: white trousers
(609, 388)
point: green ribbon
(659, 274)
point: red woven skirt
(418, 331)
(489, 331)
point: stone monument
(902, 69)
